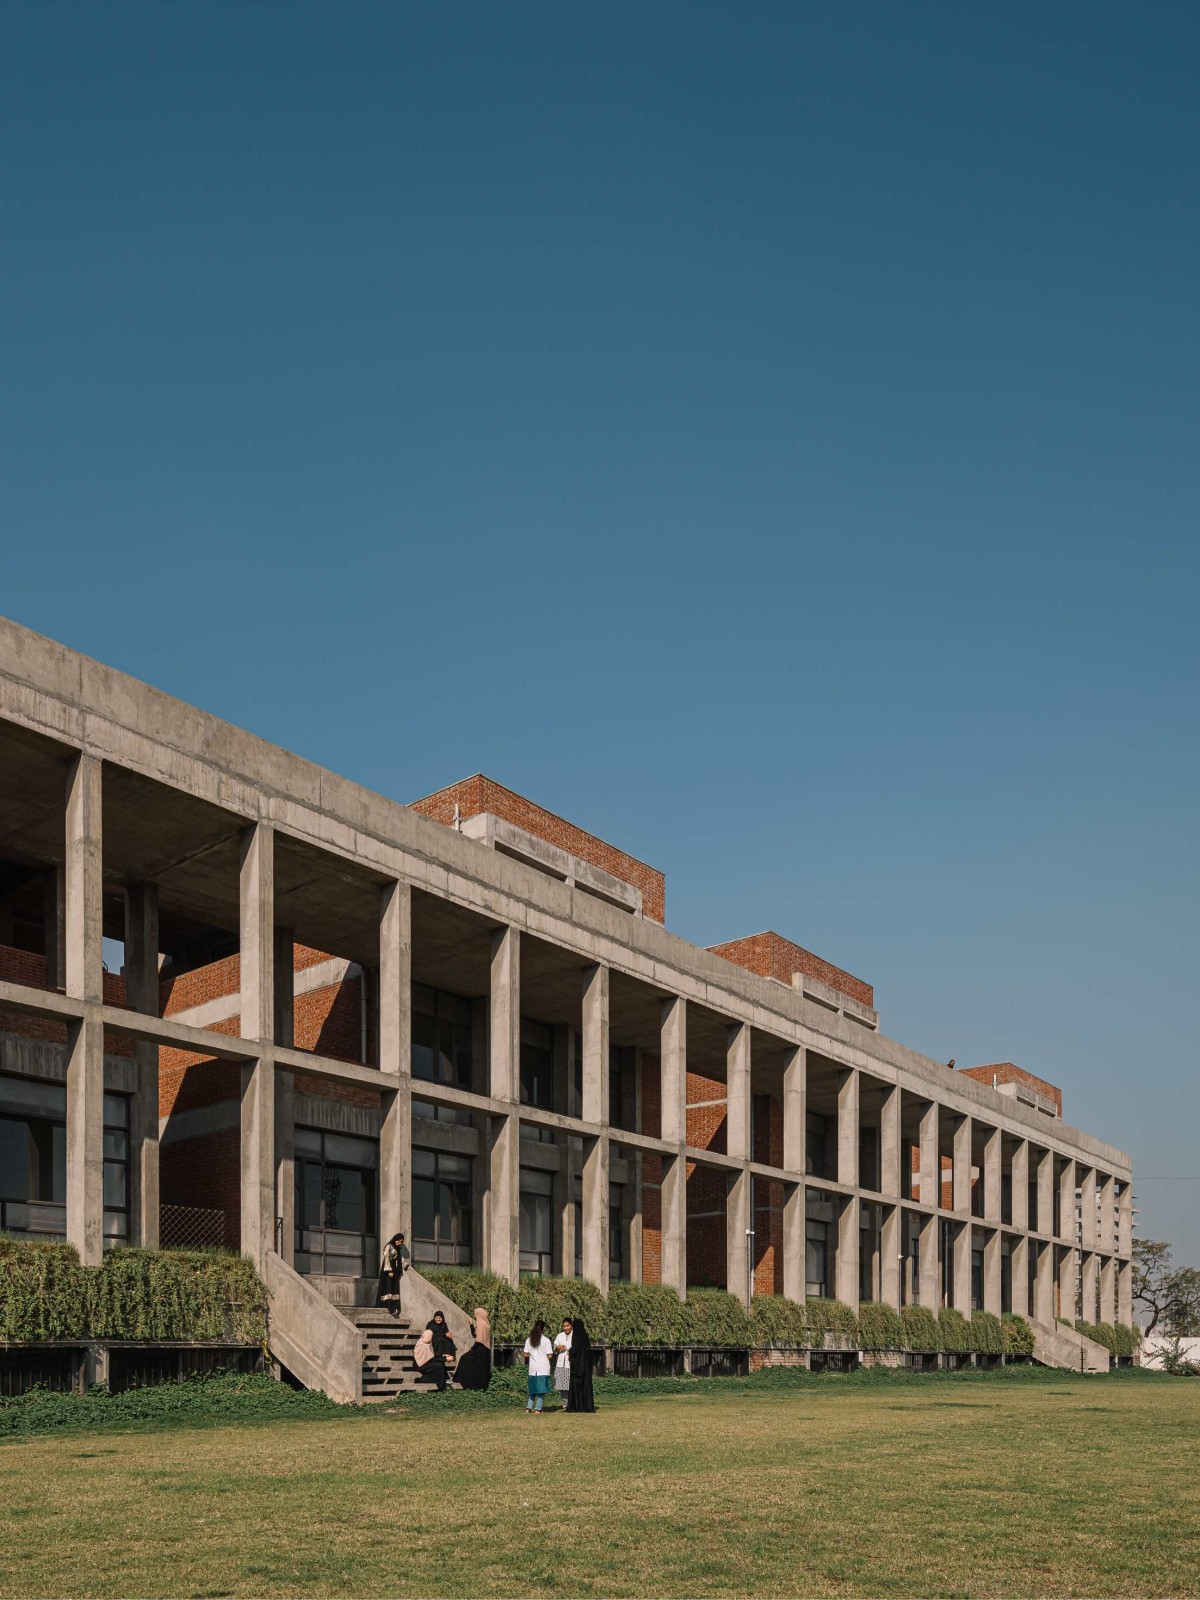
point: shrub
(831, 1325)
(133, 1294)
(645, 1313)
(552, 1299)
(774, 1320)
(469, 1287)
(987, 1334)
(954, 1331)
(1018, 1335)
(716, 1317)
(921, 1331)
(1125, 1339)
(879, 1327)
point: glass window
(441, 1037)
(337, 1203)
(441, 1208)
(33, 1160)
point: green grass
(1014, 1483)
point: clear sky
(765, 434)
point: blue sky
(768, 439)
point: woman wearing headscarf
(474, 1370)
(579, 1395)
(427, 1362)
(562, 1364)
(391, 1270)
(443, 1344)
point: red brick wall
(479, 794)
(772, 956)
(26, 967)
(1009, 1072)
(205, 1171)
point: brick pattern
(479, 794)
(770, 955)
(1009, 1072)
(205, 1172)
(29, 968)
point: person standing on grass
(537, 1355)
(562, 1366)
(579, 1394)
(391, 1269)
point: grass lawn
(1003, 1484)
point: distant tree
(1152, 1273)
(1182, 1315)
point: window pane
(424, 1031)
(351, 1152)
(114, 1183)
(424, 1208)
(308, 1140)
(15, 1152)
(454, 1166)
(116, 1111)
(310, 1194)
(424, 1163)
(115, 1145)
(25, 1094)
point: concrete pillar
(1125, 1223)
(737, 1234)
(503, 1242)
(285, 1097)
(141, 994)
(991, 1271)
(1067, 1308)
(795, 1141)
(1125, 1292)
(961, 1186)
(929, 1284)
(1043, 1308)
(930, 1165)
(890, 1145)
(596, 1155)
(84, 980)
(1089, 1285)
(395, 1056)
(738, 1215)
(257, 921)
(1108, 1289)
(1019, 1273)
(847, 1115)
(1066, 1204)
(1086, 1180)
(1045, 1192)
(992, 1150)
(566, 1244)
(1019, 1185)
(848, 1247)
(962, 1261)
(1107, 1241)
(54, 917)
(673, 1058)
(889, 1254)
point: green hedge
(774, 1320)
(646, 1313)
(831, 1325)
(879, 1327)
(717, 1318)
(1118, 1338)
(1018, 1335)
(987, 1334)
(954, 1331)
(921, 1330)
(134, 1294)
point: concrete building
(337, 1016)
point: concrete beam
(84, 878)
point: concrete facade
(623, 1101)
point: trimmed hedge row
(648, 1314)
(134, 1294)
(1118, 1338)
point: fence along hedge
(650, 1314)
(148, 1295)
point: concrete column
(1020, 1275)
(1045, 1192)
(890, 1145)
(1108, 1214)
(962, 1262)
(961, 1187)
(992, 1176)
(596, 1154)
(141, 993)
(1066, 1203)
(54, 915)
(1019, 1185)
(930, 1164)
(991, 1272)
(1089, 1285)
(1043, 1308)
(847, 1115)
(737, 1239)
(257, 921)
(1125, 1292)
(673, 1057)
(1108, 1290)
(795, 1140)
(563, 1048)
(1067, 1308)
(285, 1096)
(929, 1286)
(84, 980)
(395, 1056)
(737, 1091)
(1087, 1210)
(889, 1254)
(504, 1132)
(848, 1247)
(1125, 1223)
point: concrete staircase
(1056, 1345)
(387, 1354)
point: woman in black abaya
(579, 1396)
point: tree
(1152, 1272)
(1182, 1314)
